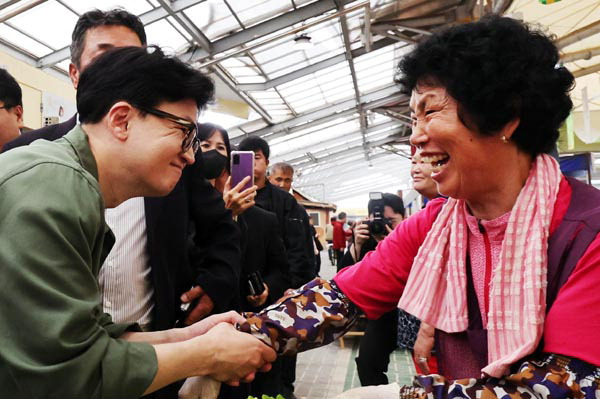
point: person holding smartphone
(265, 270)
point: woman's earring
(504, 139)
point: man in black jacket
(295, 231)
(161, 224)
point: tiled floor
(325, 372)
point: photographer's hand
(361, 236)
(259, 300)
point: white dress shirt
(127, 292)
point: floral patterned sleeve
(312, 316)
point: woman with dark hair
(263, 252)
(507, 268)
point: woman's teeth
(436, 161)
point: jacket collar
(80, 143)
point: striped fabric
(436, 287)
(127, 292)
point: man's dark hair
(332, 219)
(255, 143)
(10, 91)
(342, 215)
(143, 77)
(391, 200)
(95, 18)
(497, 69)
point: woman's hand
(259, 300)
(423, 346)
(238, 201)
(204, 325)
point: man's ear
(18, 110)
(74, 75)
(118, 118)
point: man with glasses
(137, 110)
(148, 268)
(11, 108)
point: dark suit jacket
(193, 201)
(295, 231)
(263, 251)
(50, 133)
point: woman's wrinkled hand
(423, 347)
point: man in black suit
(164, 222)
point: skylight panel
(253, 12)
(213, 18)
(164, 35)
(22, 41)
(136, 7)
(34, 22)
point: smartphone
(242, 165)
(255, 283)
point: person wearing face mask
(263, 252)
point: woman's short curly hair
(497, 69)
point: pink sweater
(382, 275)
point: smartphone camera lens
(236, 159)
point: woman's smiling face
(460, 157)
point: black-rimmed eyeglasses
(191, 129)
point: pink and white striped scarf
(437, 284)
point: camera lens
(236, 159)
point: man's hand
(236, 356)
(204, 325)
(204, 306)
(258, 300)
(361, 235)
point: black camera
(376, 205)
(255, 283)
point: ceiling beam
(580, 55)
(291, 155)
(20, 54)
(336, 59)
(578, 35)
(265, 28)
(346, 151)
(586, 71)
(187, 24)
(344, 171)
(27, 5)
(362, 119)
(147, 18)
(373, 99)
(221, 73)
(341, 169)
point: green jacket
(55, 340)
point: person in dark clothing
(293, 219)
(263, 252)
(380, 338)
(295, 231)
(318, 247)
(11, 108)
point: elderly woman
(507, 268)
